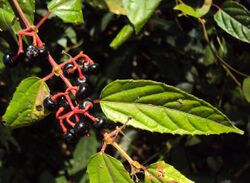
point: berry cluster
(32, 53)
(74, 106)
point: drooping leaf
(26, 106)
(86, 147)
(124, 34)
(140, 11)
(68, 11)
(234, 19)
(246, 88)
(158, 107)
(161, 172)
(104, 168)
(194, 12)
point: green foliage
(157, 107)
(194, 12)
(234, 19)
(125, 33)
(162, 172)
(246, 88)
(68, 11)
(138, 12)
(104, 168)
(8, 20)
(26, 106)
(170, 49)
(85, 148)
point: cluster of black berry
(32, 52)
(74, 106)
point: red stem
(45, 17)
(20, 12)
(27, 24)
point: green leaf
(194, 12)
(246, 88)
(140, 11)
(122, 36)
(86, 147)
(157, 107)
(234, 19)
(28, 8)
(26, 106)
(116, 6)
(68, 11)
(161, 172)
(104, 168)
(6, 19)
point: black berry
(85, 67)
(83, 91)
(65, 104)
(43, 52)
(81, 127)
(32, 51)
(69, 137)
(81, 81)
(93, 69)
(8, 60)
(67, 70)
(83, 104)
(100, 123)
(50, 104)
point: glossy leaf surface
(158, 107)
(68, 11)
(140, 11)
(162, 172)
(234, 19)
(104, 168)
(26, 106)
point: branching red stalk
(57, 70)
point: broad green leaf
(26, 106)
(122, 36)
(86, 147)
(68, 11)
(234, 19)
(158, 107)
(246, 88)
(140, 11)
(194, 12)
(161, 172)
(104, 168)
